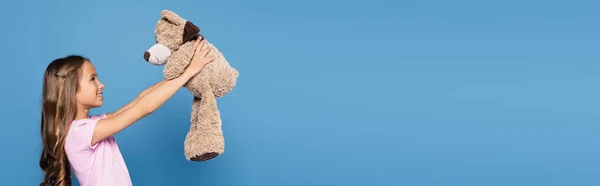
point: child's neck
(82, 114)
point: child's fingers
(211, 58)
(197, 44)
(205, 51)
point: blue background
(425, 93)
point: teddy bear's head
(171, 32)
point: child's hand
(200, 58)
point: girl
(74, 141)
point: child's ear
(172, 17)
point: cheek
(87, 86)
(88, 89)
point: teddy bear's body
(175, 47)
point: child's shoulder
(80, 133)
(90, 120)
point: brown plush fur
(205, 139)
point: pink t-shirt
(95, 165)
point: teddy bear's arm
(179, 60)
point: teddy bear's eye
(167, 20)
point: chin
(98, 104)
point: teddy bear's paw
(205, 156)
(202, 145)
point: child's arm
(144, 107)
(153, 98)
(136, 100)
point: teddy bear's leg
(205, 139)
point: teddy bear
(174, 49)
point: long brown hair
(59, 108)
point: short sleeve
(101, 116)
(82, 132)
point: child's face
(90, 88)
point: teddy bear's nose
(146, 55)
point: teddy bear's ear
(172, 17)
(190, 32)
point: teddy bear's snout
(158, 54)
